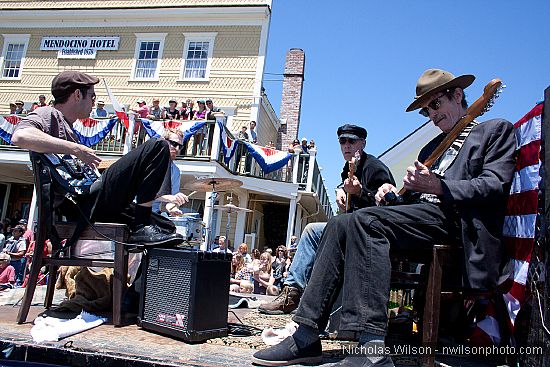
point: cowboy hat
(437, 80)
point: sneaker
(287, 353)
(153, 235)
(286, 302)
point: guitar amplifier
(185, 293)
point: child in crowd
(263, 276)
(240, 275)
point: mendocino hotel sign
(79, 47)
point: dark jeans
(138, 174)
(354, 254)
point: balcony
(205, 145)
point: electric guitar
(353, 163)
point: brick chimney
(291, 101)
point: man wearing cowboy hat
(461, 196)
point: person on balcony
(200, 114)
(155, 112)
(100, 110)
(304, 146)
(211, 110)
(13, 108)
(20, 108)
(172, 112)
(462, 198)
(369, 175)
(142, 110)
(136, 175)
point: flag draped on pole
(121, 114)
(229, 145)
(7, 125)
(519, 223)
(91, 131)
(269, 159)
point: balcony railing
(301, 169)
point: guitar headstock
(484, 103)
(354, 161)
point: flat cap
(68, 81)
(352, 131)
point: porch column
(310, 170)
(241, 220)
(215, 149)
(291, 219)
(33, 211)
(6, 198)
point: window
(197, 56)
(148, 56)
(13, 55)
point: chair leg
(50, 289)
(430, 325)
(119, 282)
(36, 264)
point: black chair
(48, 226)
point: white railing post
(295, 164)
(310, 170)
(129, 133)
(216, 140)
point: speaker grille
(168, 291)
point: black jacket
(372, 173)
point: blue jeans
(302, 264)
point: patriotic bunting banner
(269, 159)
(229, 145)
(7, 125)
(519, 223)
(91, 131)
(156, 128)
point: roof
(117, 4)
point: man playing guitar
(138, 174)
(362, 175)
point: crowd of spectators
(301, 146)
(17, 107)
(259, 272)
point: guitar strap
(446, 159)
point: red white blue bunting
(156, 128)
(7, 125)
(91, 131)
(269, 159)
(229, 145)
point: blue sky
(363, 58)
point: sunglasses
(343, 141)
(434, 105)
(175, 144)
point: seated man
(138, 174)
(170, 194)
(370, 173)
(462, 195)
(7, 272)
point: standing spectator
(252, 136)
(200, 114)
(311, 145)
(20, 109)
(305, 148)
(296, 147)
(42, 101)
(16, 246)
(211, 109)
(190, 112)
(142, 110)
(172, 111)
(100, 111)
(184, 114)
(7, 272)
(13, 108)
(241, 147)
(155, 112)
(34, 106)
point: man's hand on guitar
(352, 186)
(341, 199)
(383, 190)
(87, 155)
(420, 179)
